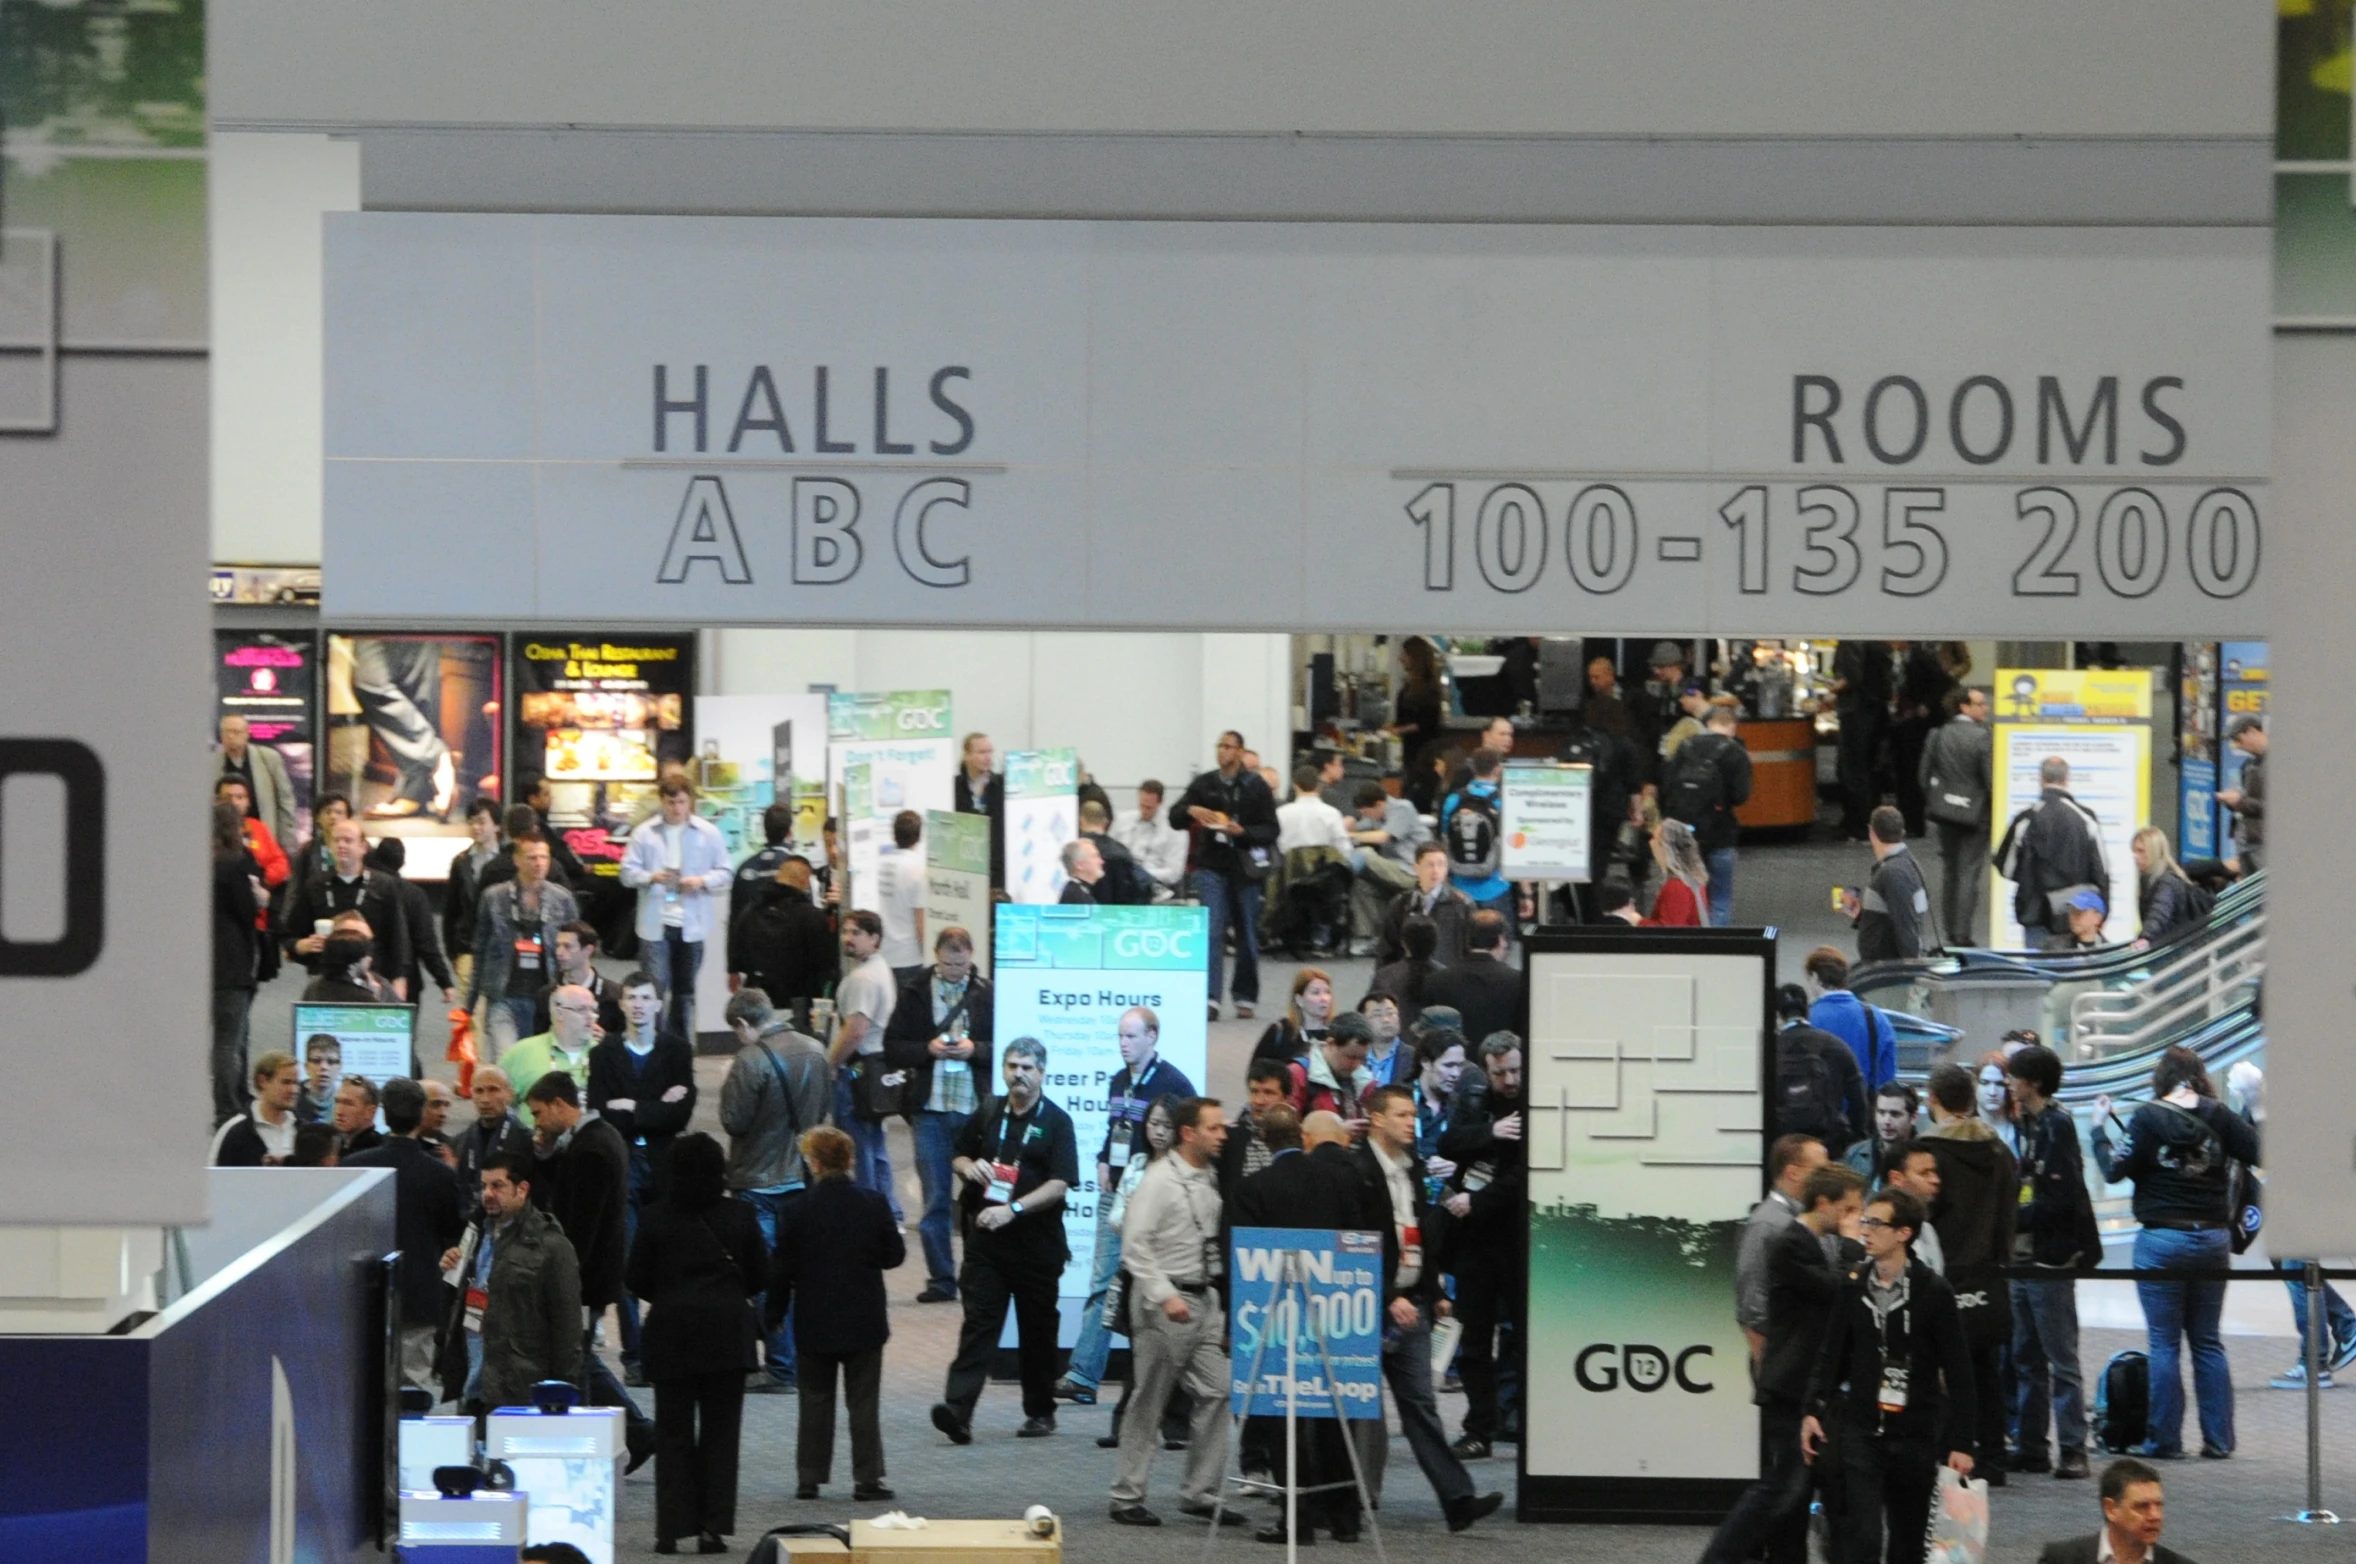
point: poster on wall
(269, 679)
(1066, 975)
(2243, 690)
(2099, 721)
(1327, 1312)
(1644, 1099)
(1042, 814)
(414, 725)
(957, 878)
(1544, 812)
(886, 753)
(376, 1041)
(600, 718)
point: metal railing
(2187, 987)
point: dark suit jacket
(1484, 990)
(1802, 1288)
(833, 1246)
(1297, 1190)
(426, 1221)
(1374, 1198)
(586, 1187)
(909, 1035)
(783, 943)
(696, 1266)
(672, 1063)
(2085, 1550)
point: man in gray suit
(2133, 1510)
(264, 773)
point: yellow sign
(2094, 726)
(2073, 695)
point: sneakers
(1134, 1515)
(1036, 1427)
(1470, 1448)
(2073, 1464)
(935, 1293)
(2295, 1378)
(2343, 1353)
(1243, 1012)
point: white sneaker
(2295, 1378)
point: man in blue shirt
(1864, 1028)
(1472, 825)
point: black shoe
(1171, 1444)
(806, 1492)
(1108, 1441)
(1344, 1533)
(945, 1419)
(937, 1294)
(709, 1543)
(1036, 1427)
(641, 1448)
(767, 1384)
(1470, 1448)
(2029, 1465)
(1276, 1534)
(1464, 1512)
(2073, 1464)
(665, 1545)
(1204, 1512)
(1993, 1476)
(2210, 1452)
(635, 1377)
(870, 1492)
(1134, 1515)
(1079, 1395)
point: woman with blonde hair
(1308, 1016)
(2165, 893)
(1685, 880)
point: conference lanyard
(1133, 1101)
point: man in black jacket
(349, 885)
(2134, 1510)
(1483, 988)
(1979, 1200)
(2052, 850)
(1862, 687)
(940, 1033)
(1614, 773)
(1484, 1140)
(642, 1082)
(1848, 1117)
(426, 959)
(495, 1131)
(1894, 1381)
(2054, 1228)
(1893, 917)
(1957, 778)
(977, 790)
(1231, 818)
(1702, 785)
(782, 942)
(426, 1221)
(576, 963)
(584, 1183)
(1803, 1285)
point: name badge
(1411, 1247)
(527, 954)
(1118, 1156)
(477, 1301)
(1478, 1176)
(1001, 1187)
(1892, 1397)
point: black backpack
(1807, 1098)
(1474, 829)
(2122, 1402)
(1694, 789)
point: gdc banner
(1644, 1104)
(885, 753)
(784, 420)
(1066, 975)
(1042, 814)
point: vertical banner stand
(2314, 1514)
(1294, 1289)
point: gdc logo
(1641, 1368)
(915, 717)
(1151, 942)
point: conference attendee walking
(516, 1317)
(495, 1129)
(1434, 899)
(263, 771)
(2166, 898)
(1485, 1141)
(348, 885)
(1893, 1384)
(239, 949)
(1862, 1026)
(1018, 1160)
(1483, 989)
(2247, 802)
(778, 1087)
(833, 1247)
(1958, 784)
(1803, 1268)
(782, 942)
(1230, 818)
(2134, 1513)
(2054, 1232)
(2176, 1151)
(978, 790)
(1979, 1198)
(675, 860)
(1176, 1323)
(1790, 1159)
(463, 891)
(940, 1034)
(863, 1005)
(2051, 851)
(1685, 879)
(1892, 914)
(426, 1222)
(263, 1135)
(1702, 785)
(697, 1262)
(515, 931)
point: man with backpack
(2051, 851)
(1702, 783)
(778, 1085)
(1865, 1029)
(1819, 1090)
(1472, 827)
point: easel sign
(1333, 1314)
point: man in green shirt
(572, 1028)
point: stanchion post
(2311, 1328)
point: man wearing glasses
(572, 1028)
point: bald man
(572, 1018)
(495, 1129)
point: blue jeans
(766, 1210)
(871, 1160)
(1720, 862)
(674, 963)
(2190, 1312)
(1095, 1342)
(641, 1187)
(2045, 1360)
(1232, 903)
(2336, 1312)
(936, 1141)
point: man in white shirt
(1158, 846)
(863, 1003)
(1309, 821)
(675, 861)
(899, 897)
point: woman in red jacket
(1684, 879)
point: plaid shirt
(953, 1090)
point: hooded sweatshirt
(1979, 1200)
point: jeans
(1720, 861)
(871, 1158)
(508, 1020)
(936, 1142)
(2336, 1313)
(674, 962)
(1095, 1340)
(1771, 1517)
(2175, 1312)
(2045, 1358)
(641, 1190)
(766, 1210)
(1407, 1369)
(1893, 1478)
(233, 1014)
(1232, 903)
